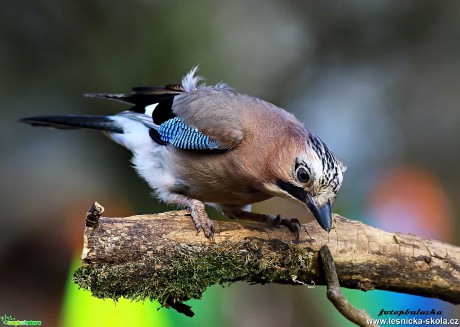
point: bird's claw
(208, 230)
(292, 224)
(203, 223)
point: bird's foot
(201, 220)
(199, 216)
(274, 221)
(292, 224)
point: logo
(12, 321)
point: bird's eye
(303, 175)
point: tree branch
(160, 257)
(335, 295)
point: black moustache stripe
(297, 192)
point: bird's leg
(276, 221)
(199, 216)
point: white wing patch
(150, 108)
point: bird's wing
(202, 119)
(216, 113)
(142, 96)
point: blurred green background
(379, 81)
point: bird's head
(312, 175)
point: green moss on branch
(185, 271)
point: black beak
(322, 214)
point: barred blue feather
(175, 132)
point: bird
(197, 144)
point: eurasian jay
(196, 144)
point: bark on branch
(160, 257)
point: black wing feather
(143, 96)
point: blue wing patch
(175, 132)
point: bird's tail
(102, 123)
